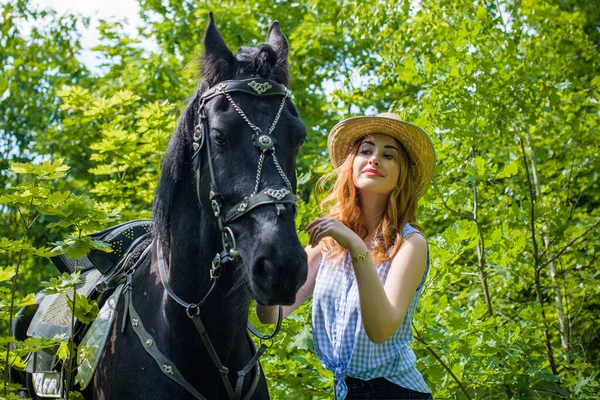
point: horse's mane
(177, 158)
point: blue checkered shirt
(341, 343)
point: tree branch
(444, 202)
(571, 242)
(536, 263)
(439, 359)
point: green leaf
(510, 169)
(3, 85)
(6, 243)
(6, 273)
(85, 310)
(61, 283)
(436, 373)
(63, 351)
(302, 340)
(21, 168)
(74, 247)
(57, 197)
(304, 178)
(76, 396)
(45, 252)
(481, 166)
(26, 301)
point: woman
(366, 265)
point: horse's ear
(276, 39)
(218, 61)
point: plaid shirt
(341, 343)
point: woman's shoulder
(408, 230)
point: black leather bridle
(276, 195)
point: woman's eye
(365, 152)
(389, 156)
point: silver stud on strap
(277, 194)
(265, 141)
(148, 343)
(260, 88)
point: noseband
(265, 143)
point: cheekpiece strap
(270, 195)
(253, 86)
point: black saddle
(122, 239)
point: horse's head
(243, 122)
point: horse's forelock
(263, 61)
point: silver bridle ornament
(264, 142)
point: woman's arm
(383, 308)
(268, 314)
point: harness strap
(193, 312)
(166, 365)
(270, 195)
(254, 384)
(223, 370)
(127, 292)
(253, 363)
(165, 282)
(264, 336)
(119, 274)
(129, 286)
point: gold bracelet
(361, 256)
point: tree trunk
(558, 297)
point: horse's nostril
(263, 271)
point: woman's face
(376, 166)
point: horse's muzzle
(276, 275)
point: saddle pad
(48, 384)
(41, 361)
(90, 348)
(53, 316)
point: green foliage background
(508, 91)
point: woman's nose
(374, 160)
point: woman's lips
(371, 172)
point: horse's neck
(193, 246)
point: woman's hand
(323, 227)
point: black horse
(227, 188)
(274, 263)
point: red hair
(343, 204)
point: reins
(272, 195)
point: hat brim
(417, 143)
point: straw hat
(420, 150)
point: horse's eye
(219, 138)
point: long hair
(343, 204)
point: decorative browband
(253, 86)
